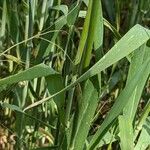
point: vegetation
(74, 74)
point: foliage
(74, 75)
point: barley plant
(74, 74)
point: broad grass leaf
(37, 71)
(131, 107)
(126, 133)
(130, 110)
(120, 103)
(87, 107)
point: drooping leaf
(37, 71)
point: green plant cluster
(74, 74)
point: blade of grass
(84, 34)
(130, 110)
(131, 107)
(29, 74)
(95, 28)
(126, 133)
(87, 107)
(120, 103)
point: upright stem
(29, 48)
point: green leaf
(95, 31)
(126, 133)
(120, 103)
(98, 23)
(37, 71)
(130, 110)
(92, 33)
(87, 107)
(84, 35)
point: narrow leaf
(120, 103)
(37, 71)
(87, 109)
(126, 133)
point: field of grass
(74, 75)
